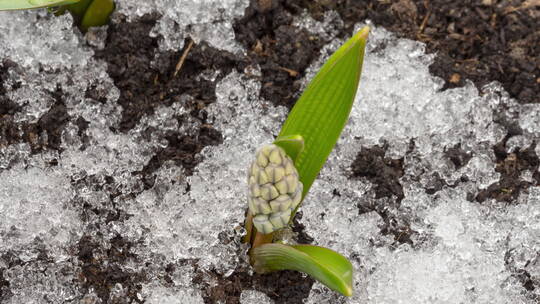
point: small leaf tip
(363, 33)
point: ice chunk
(35, 208)
(202, 20)
(39, 282)
(529, 121)
(55, 43)
(162, 295)
(327, 29)
(254, 297)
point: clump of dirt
(103, 260)
(4, 286)
(511, 167)
(384, 173)
(43, 135)
(480, 40)
(289, 287)
(82, 125)
(184, 149)
(102, 268)
(436, 183)
(282, 51)
(522, 275)
(458, 156)
(49, 127)
(8, 129)
(106, 210)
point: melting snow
(462, 252)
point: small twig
(183, 58)
(426, 18)
(291, 72)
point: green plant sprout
(86, 13)
(282, 172)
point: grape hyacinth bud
(274, 189)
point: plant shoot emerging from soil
(282, 173)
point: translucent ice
(34, 207)
(460, 249)
(202, 20)
(254, 297)
(54, 44)
(327, 29)
(164, 295)
(38, 282)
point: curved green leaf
(30, 4)
(325, 265)
(78, 9)
(292, 144)
(97, 14)
(323, 109)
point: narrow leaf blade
(325, 265)
(323, 109)
(31, 4)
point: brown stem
(254, 237)
(248, 224)
(261, 239)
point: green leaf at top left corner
(31, 4)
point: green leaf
(78, 9)
(325, 265)
(292, 144)
(30, 4)
(97, 14)
(323, 109)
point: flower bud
(274, 189)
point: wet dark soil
(104, 267)
(384, 173)
(129, 53)
(4, 285)
(282, 51)
(288, 287)
(43, 135)
(479, 40)
(103, 255)
(511, 166)
(458, 156)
